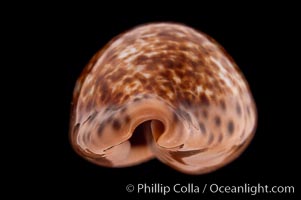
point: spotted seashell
(162, 90)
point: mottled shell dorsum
(165, 91)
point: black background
(261, 44)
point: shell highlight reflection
(162, 91)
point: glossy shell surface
(162, 91)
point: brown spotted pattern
(162, 90)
